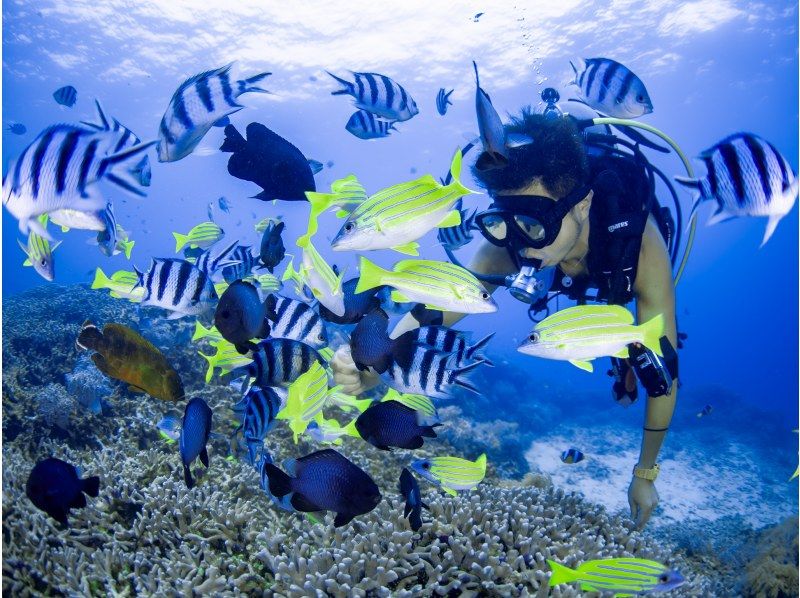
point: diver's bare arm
(655, 294)
(489, 259)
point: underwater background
(712, 68)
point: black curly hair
(556, 156)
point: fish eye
(534, 337)
(484, 295)
(640, 98)
(663, 578)
(43, 262)
(349, 227)
(426, 465)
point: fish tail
(455, 174)
(101, 281)
(187, 476)
(211, 361)
(127, 247)
(472, 351)
(371, 276)
(91, 486)
(772, 224)
(347, 86)
(122, 178)
(652, 331)
(351, 430)
(27, 262)
(180, 241)
(280, 484)
(200, 332)
(481, 462)
(477, 78)
(320, 201)
(234, 142)
(247, 85)
(561, 574)
(698, 198)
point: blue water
(712, 68)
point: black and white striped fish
(746, 176)
(278, 362)
(196, 105)
(56, 174)
(66, 96)
(378, 94)
(297, 320)
(245, 262)
(366, 125)
(177, 286)
(456, 342)
(442, 100)
(258, 408)
(429, 372)
(212, 259)
(455, 237)
(611, 88)
(127, 138)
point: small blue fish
(365, 125)
(390, 424)
(259, 409)
(409, 488)
(196, 428)
(706, 411)
(329, 164)
(169, 427)
(442, 100)
(66, 96)
(476, 17)
(55, 487)
(572, 455)
(224, 205)
(16, 128)
(455, 237)
(316, 166)
(246, 261)
(272, 248)
(241, 315)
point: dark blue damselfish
(195, 430)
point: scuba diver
(574, 213)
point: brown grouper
(122, 353)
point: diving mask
(527, 220)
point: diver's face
(571, 228)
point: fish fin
(481, 462)
(204, 457)
(342, 519)
(79, 501)
(175, 315)
(280, 484)
(180, 241)
(347, 87)
(584, 365)
(411, 248)
(123, 178)
(719, 216)
(187, 477)
(234, 142)
(575, 72)
(467, 385)
(27, 262)
(479, 345)
(34, 225)
(91, 486)
(370, 276)
(127, 247)
(622, 353)
(561, 574)
(772, 223)
(101, 281)
(135, 389)
(351, 430)
(449, 491)
(301, 503)
(652, 331)
(399, 297)
(452, 218)
(247, 85)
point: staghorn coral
(773, 571)
(54, 406)
(87, 385)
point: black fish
(195, 430)
(272, 249)
(324, 481)
(410, 491)
(16, 128)
(55, 488)
(269, 161)
(370, 344)
(391, 424)
(355, 304)
(66, 96)
(241, 315)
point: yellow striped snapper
(122, 284)
(203, 235)
(226, 359)
(419, 403)
(318, 276)
(439, 285)
(326, 431)
(348, 402)
(623, 576)
(346, 194)
(397, 216)
(39, 252)
(584, 332)
(306, 399)
(452, 473)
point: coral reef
(88, 386)
(54, 406)
(773, 571)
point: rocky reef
(146, 534)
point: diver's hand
(642, 498)
(345, 373)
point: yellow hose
(686, 164)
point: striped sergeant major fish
(438, 285)
(378, 94)
(426, 371)
(213, 259)
(452, 473)
(39, 252)
(366, 125)
(66, 96)
(278, 362)
(611, 88)
(196, 105)
(623, 576)
(443, 100)
(177, 286)
(244, 262)
(746, 176)
(259, 409)
(127, 138)
(395, 217)
(55, 174)
(307, 397)
(298, 321)
(447, 340)
(455, 237)
(318, 276)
